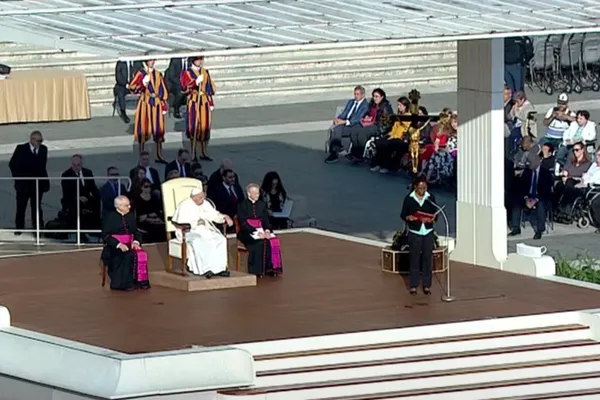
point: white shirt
(230, 189)
(592, 176)
(588, 132)
(148, 174)
(33, 149)
(200, 217)
(181, 169)
(353, 110)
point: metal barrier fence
(38, 231)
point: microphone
(440, 210)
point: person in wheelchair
(566, 190)
(591, 182)
(582, 130)
(532, 195)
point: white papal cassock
(206, 245)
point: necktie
(534, 182)
(352, 110)
(232, 194)
(181, 171)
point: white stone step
(32, 54)
(423, 365)
(305, 64)
(407, 383)
(404, 350)
(228, 83)
(342, 87)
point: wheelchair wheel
(577, 88)
(583, 223)
(596, 87)
(549, 90)
(568, 89)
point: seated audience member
(149, 213)
(532, 197)
(557, 121)
(440, 166)
(111, 189)
(206, 245)
(548, 159)
(264, 252)
(150, 173)
(274, 196)
(174, 174)
(216, 178)
(582, 130)
(351, 116)
(376, 122)
(88, 196)
(390, 149)
(181, 164)
(566, 191)
(227, 196)
(136, 183)
(198, 173)
(523, 116)
(592, 178)
(123, 256)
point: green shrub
(582, 268)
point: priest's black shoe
(225, 274)
(209, 275)
(205, 158)
(537, 236)
(176, 114)
(515, 232)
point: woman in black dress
(274, 196)
(149, 214)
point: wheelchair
(579, 212)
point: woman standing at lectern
(419, 213)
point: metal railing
(78, 229)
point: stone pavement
(343, 197)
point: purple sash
(141, 258)
(274, 241)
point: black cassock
(122, 266)
(259, 250)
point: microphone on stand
(440, 210)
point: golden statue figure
(417, 124)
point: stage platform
(329, 285)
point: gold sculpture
(417, 124)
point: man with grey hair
(264, 253)
(340, 129)
(123, 256)
(206, 245)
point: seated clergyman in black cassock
(264, 253)
(127, 263)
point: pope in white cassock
(206, 245)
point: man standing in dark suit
(533, 197)
(151, 173)
(172, 78)
(181, 164)
(124, 72)
(29, 161)
(88, 196)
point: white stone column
(481, 229)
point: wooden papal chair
(174, 191)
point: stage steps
(495, 362)
(262, 79)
